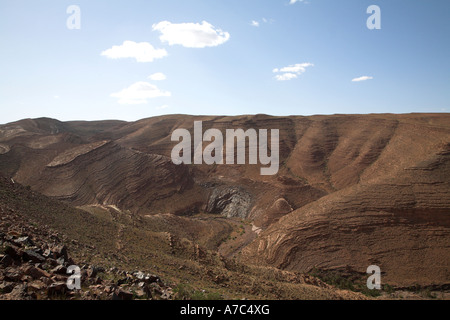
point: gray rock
(61, 261)
(139, 275)
(24, 241)
(229, 202)
(30, 255)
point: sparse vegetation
(388, 288)
(353, 282)
(424, 292)
(186, 292)
(427, 293)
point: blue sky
(219, 57)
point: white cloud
(165, 106)
(363, 78)
(298, 68)
(159, 76)
(139, 93)
(286, 76)
(191, 35)
(256, 23)
(142, 52)
(295, 1)
(292, 71)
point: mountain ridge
(387, 174)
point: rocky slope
(398, 220)
(34, 258)
(41, 238)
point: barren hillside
(351, 190)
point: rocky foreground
(35, 267)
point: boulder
(34, 272)
(24, 241)
(30, 255)
(59, 251)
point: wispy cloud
(363, 78)
(292, 71)
(298, 1)
(256, 23)
(286, 76)
(139, 93)
(159, 76)
(191, 35)
(142, 52)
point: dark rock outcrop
(229, 202)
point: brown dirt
(363, 189)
